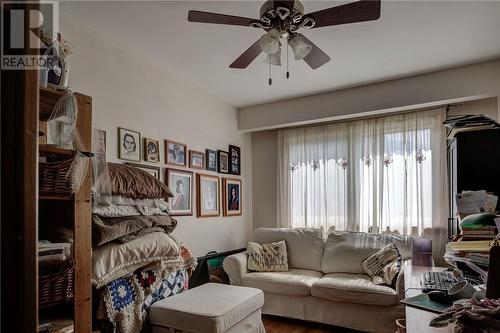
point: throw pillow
(375, 265)
(267, 257)
(135, 183)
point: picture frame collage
(215, 195)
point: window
(374, 175)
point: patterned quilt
(128, 299)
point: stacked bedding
(136, 261)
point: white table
(417, 321)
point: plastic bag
(100, 177)
(61, 125)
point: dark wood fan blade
(206, 17)
(284, 3)
(316, 58)
(359, 11)
(247, 57)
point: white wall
(132, 92)
(410, 93)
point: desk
(417, 321)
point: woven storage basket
(52, 177)
(56, 286)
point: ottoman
(209, 308)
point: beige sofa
(326, 282)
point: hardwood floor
(285, 325)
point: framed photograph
(207, 195)
(176, 153)
(211, 159)
(223, 161)
(196, 160)
(234, 160)
(180, 182)
(152, 170)
(129, 145)
(151, 150)
(231, 194)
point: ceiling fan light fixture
(300, 48)
(270, 41)
(274, 59)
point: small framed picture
(207, 195)
(129, 145)
(180, 182)
(223, 161)
(152, 170)
(211, 159)
(234, 160)
(231, 194)
(151, 150)
(196, 160)
(176, 153)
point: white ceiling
(410, 37)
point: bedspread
(125, 301)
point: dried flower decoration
(293, 166)
(63, 45)
(387, 159)
(343, 162)
(420, 157)
(368, 160)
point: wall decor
(128, 145)
(207, 195)
(151, 150)
(223, 161)
(175, 153)
(234, 160)
(211, 160)
(231, 194)
(152, 170)
(196, 160)
(180, 182)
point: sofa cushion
(344, 251)
(304, 246)
(295, 282)
(353, 288)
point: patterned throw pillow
(384, 265)
(267, 257)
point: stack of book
(464, 123)
(478, 233)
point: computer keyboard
(441, 281)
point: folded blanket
(113, 210)
(127, 228)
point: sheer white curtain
(378, 174)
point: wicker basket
(53, 177)
(56, 285)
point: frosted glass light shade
(300, 48)
(270, 42)
(274, 59)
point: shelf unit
(74, 212)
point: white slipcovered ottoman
(210, 308)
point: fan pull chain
(287, 72)
(270, 78)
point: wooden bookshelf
(74, 211)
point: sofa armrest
(236, 267)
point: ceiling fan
(284, 19)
